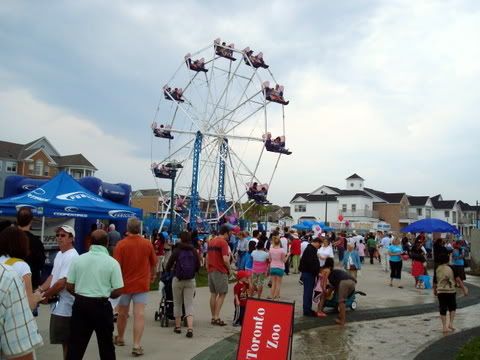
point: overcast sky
(385, 89)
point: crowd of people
(92, 291)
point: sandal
(220, 322)
(137, 351)
(189, 333)
(118, 342)
(213, 322)
(177, 330)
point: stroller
(350, 302)
(165, 308)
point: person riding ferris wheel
(213, 133)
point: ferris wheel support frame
(221, 175)
(197, 149)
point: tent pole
(43, 228)
(141, 227)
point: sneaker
(137, 351)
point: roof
(306, 196)
(418, 200)
(392, 198)
(354, 193)
(466, 207)
(10, 150)
(148, 192)
(354, 176)
(71, 160)
(446, 204)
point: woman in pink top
(278, 256)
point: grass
(470, 351)
(201, 279)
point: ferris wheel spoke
(223, 93)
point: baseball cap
(67, 229)
(242, 274)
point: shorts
(459, 271)
(258, 280)
(277, 272)
(59, 329)
(137, 298)
(218, 282)
(345, 289)
(447, 301)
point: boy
(444, 289)
(240, 291)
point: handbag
(405, 257)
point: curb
(227, 348)
(448, 347)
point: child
(278, 256)
(361, 250)
(260, 267)
(444, 289)
(320, 291)
(351, 261)
(240, 291)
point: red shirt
(296, 246)
(136, 257)
(241, 290)
(217, 249)
(159, 247)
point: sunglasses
(61, 235)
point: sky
(385, 89)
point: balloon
(232, 219)
(316, 230)
(340, 217)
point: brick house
(39, 159)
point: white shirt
(61, 265)
(303, 246)
(284, 242)
(385, 242)
(20, 266)
(324, 251)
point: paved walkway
(162, 342)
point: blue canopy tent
(430, 226)
(63, 196)
(307, 225)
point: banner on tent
(51, 226)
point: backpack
(185, 266)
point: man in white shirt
(55, 285)
(384, 244)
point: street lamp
(173, 168)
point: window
(300, 208)
(46, 170)
(11, 166)
(429, 213)
(39, 167)
(354, 207)
(1, 163)
(447, 214)
(88, 173)
(419, 211)
(344, 207)
(351, 184)
(454, 216)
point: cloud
(385, 89)
(71, 134)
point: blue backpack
(185, 265)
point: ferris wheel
(212, 134)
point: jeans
(308, 285)
(371, 251)
(341, 251)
